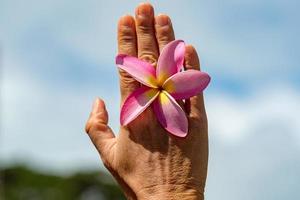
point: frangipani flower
(161, 87)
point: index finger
(127, 44)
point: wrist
(181, 192)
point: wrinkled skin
(147, 161)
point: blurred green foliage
(22, 183)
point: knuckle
(95, 124)
(145, 29)
(124, 74)
(125, 78)
(164, 33)
(128, 85)
(126, 35)
(164, 38)
(200, 118)
(88, 127)
(149, 57)
(145, 25)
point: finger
(127, 44)
(196, 103)
(163, 30)
(100, 133)
(146, 40)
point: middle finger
(147, 45)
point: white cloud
(254, 145)
(232, 118)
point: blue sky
(57, 56)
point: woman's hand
(147, 161)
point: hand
(147, 161)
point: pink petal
(170, 115)
(170, 60)
(186, 84)
(136, 103)
(140, 70)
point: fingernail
(144, 9)
(126, 20)
(162, 20)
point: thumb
(100, 133)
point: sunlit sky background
(58, 55)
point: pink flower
(162, 87)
